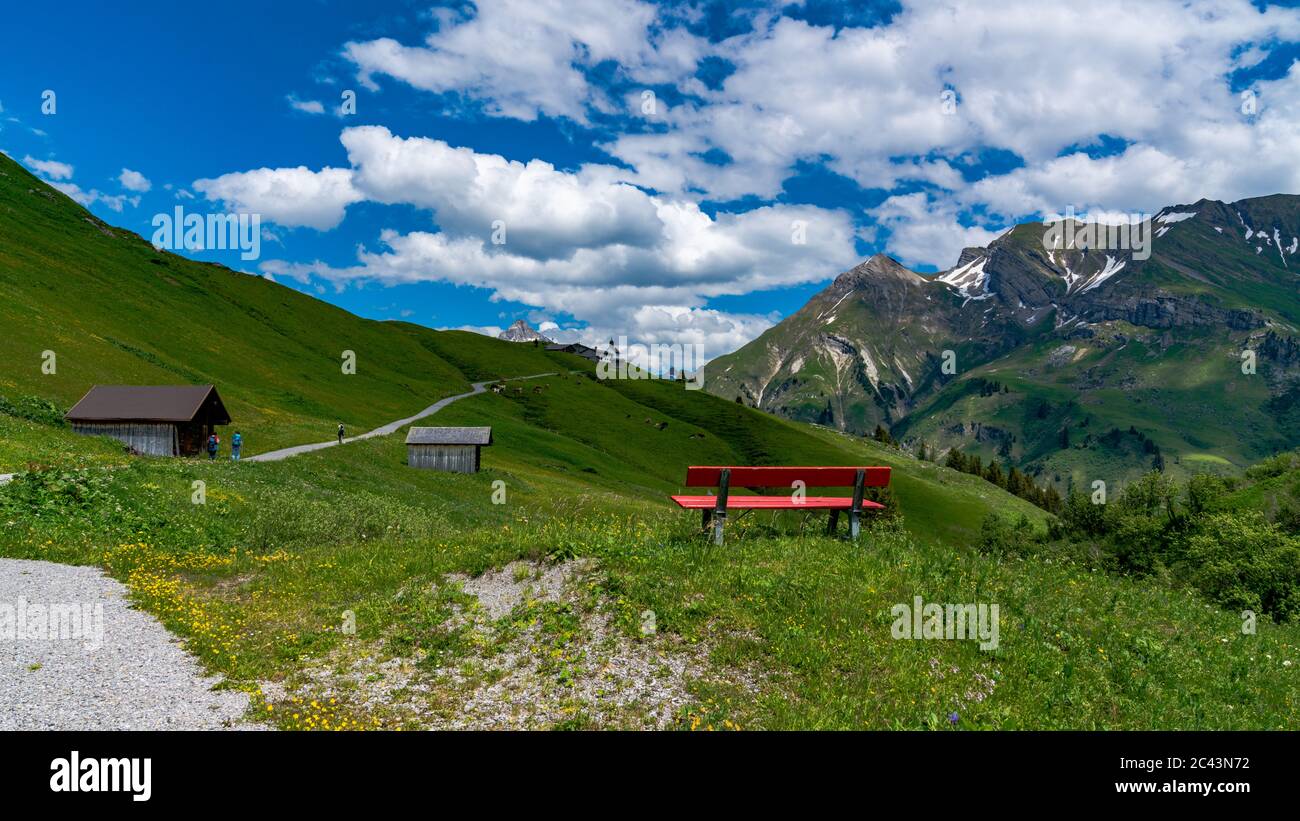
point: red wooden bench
(755, 478)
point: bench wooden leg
(832, 523)
(718, 521)
(855, 513)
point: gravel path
(384, 430)
(105, 666)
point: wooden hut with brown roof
(160, 420)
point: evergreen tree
(1051, 500)
(993, 473)
(1017, 485)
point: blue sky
(683, 172)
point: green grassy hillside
(113, 309)
(608, 434)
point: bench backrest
(754, 477)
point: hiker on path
(340, 433)
(236, 442)
(213, 444)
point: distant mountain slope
(1055, 353)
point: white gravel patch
(500, 591)
(104, 666)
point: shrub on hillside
(1080, 517)
(1003, 537)
(1242, 561)
(1205, 494)
(885, 496)
(1139, 524)
(32, 408)
(1288, 518)
(1274, 466)
(54, 492)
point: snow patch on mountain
(873, 373)
(899, 367)
(1111, 268)
(967, 279)
(847, 294)
(1168, 219)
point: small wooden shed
(451, 449)
(160, 420)
(577, 349)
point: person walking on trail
(213, 444)
(236, 442)
(340, 433)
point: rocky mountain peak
(521, 331)
(880, 267)
(970, 254)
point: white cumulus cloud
(306, 106)
(288, 196)
(526, 59)
(50, 169)
(134, 181)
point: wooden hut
(160, 420)
(577, 349)
(450, 449)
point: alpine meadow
(925, 371)
(779, 628)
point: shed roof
(449, 436)
(569, 346)
(150, 403)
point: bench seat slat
(774, 503)
(813, 476)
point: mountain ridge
(885, 345)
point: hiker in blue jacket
(235, 442)
(213, 443)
